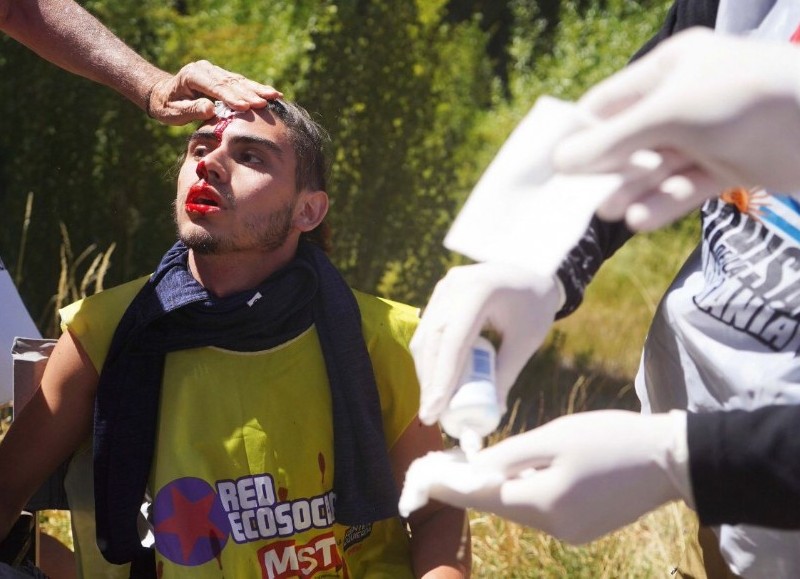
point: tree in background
(398, 91)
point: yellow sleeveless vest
(243, 470)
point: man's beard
(260, 233)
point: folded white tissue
(449, 469)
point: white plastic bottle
(473, 412)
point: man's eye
(199, 152)
(250, 158)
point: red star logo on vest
(190, 524)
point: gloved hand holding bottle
(516, 305)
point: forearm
(440, 539)
(440, 542)
(31, 450)
(68, 36)
(49, 428)
(600, 241)
(745, 466)
(8, 514)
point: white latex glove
(449, 465)
(725, 111)
(516, 304)
(594, 473)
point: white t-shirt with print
(727, 333)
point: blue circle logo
(190, 524)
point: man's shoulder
(107, 302)
(381, 315)
(371, 305)
(122, 291)
(94, 320)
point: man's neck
(230, 273)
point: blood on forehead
(224, 116)
(220, 127)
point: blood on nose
(201, 170)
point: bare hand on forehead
(180, 99)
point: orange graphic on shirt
(748, 201)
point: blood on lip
(201, 191)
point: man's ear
(311, 208)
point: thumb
(203, 108)
(185, 111)
(518, 453)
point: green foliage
(579, 44)
(261, 40)
(395, 94)
(592, 41)
(79, 149)
(417, 96)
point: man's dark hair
(308, 140)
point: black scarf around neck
(174, 312)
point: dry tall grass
(651, 547)
(81, 275)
